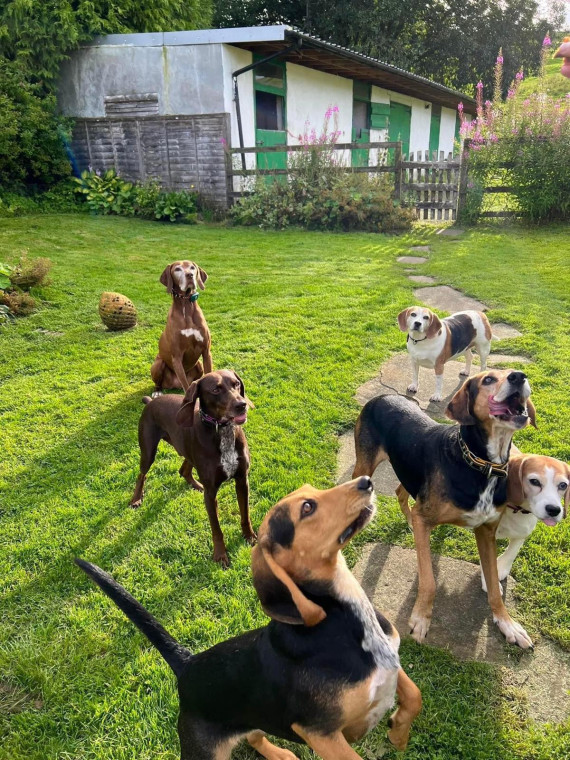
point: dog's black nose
(417, 325)
(241, 406)
(552, 510)
(364, 483)
(516, 378)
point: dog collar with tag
(487, 468)
(518, 509)
(213, 421)
(419, 340)
(192, 297)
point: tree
(452, 41)
(35, 36)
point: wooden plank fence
(432, 186)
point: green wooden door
(360, 157)
(271, 137)
(270, 89)
(434, 129)
(399, 129)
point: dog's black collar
(518, 509)
(419, 340)
(487, 468)
(192, 297)
(224, 422)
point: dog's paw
(514, 633)
(503, 572)
(412, 388)
(398, 737)
(251, 538)
(435, 397)
(222, 559)
(136, 503)
(197, 486)
(419, 626)
(464, 373)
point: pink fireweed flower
(479, 85)
(519, 76)
(546, 41)
(499, 59)
(510, 94)
(526, 102)
(460, 107)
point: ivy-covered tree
(35, 36)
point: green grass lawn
(304, 318)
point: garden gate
(432, 185)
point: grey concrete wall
(188, 79)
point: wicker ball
(117, 312)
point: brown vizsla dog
(186, 337)
(209, 437)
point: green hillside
(556, 84)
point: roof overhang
(335, 59)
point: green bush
(61, 198)
(522, 143)
(108, 193)
(342, 201)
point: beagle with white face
(433, 341)
(538, 489)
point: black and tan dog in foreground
(204, 427)
(456, 473)
(323, 672)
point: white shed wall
(447, 130)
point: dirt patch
(502, 330)
(15, 700)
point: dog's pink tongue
(240, 419)
(549, 521)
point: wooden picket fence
(431, 185)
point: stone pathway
(448, 299)
(462, 622)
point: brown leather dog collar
(518, 509)
(192, 297)
(487, 468)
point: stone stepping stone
(507, 359)
(448, 299)
(411, 259)
(422, 278)
(502, 330)
(420, 248)
(450, 232)
(384, 478)
(462, 623)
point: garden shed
(165, 105)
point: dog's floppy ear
(531, 413)
(278, 593)
(515, 486)
(248, 401)
(202, 277)
(185, 415)
(458, 407)
(403, 319)
(434, 325)
(567, 494)
(166, 279)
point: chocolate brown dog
(209, 437)
(186, 337)
(323, 672)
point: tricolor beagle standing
(323, 672)
(536, 485)
(433, 341)
(456, 473)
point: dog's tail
(146, 399)
(173, 652)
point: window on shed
(269, 109)
(270, 75)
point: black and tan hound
(456, 473)
(323, 672)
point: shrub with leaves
(321, 193)
(523, 143)
(106, 192)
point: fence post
(463, 174)
(398, 171)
